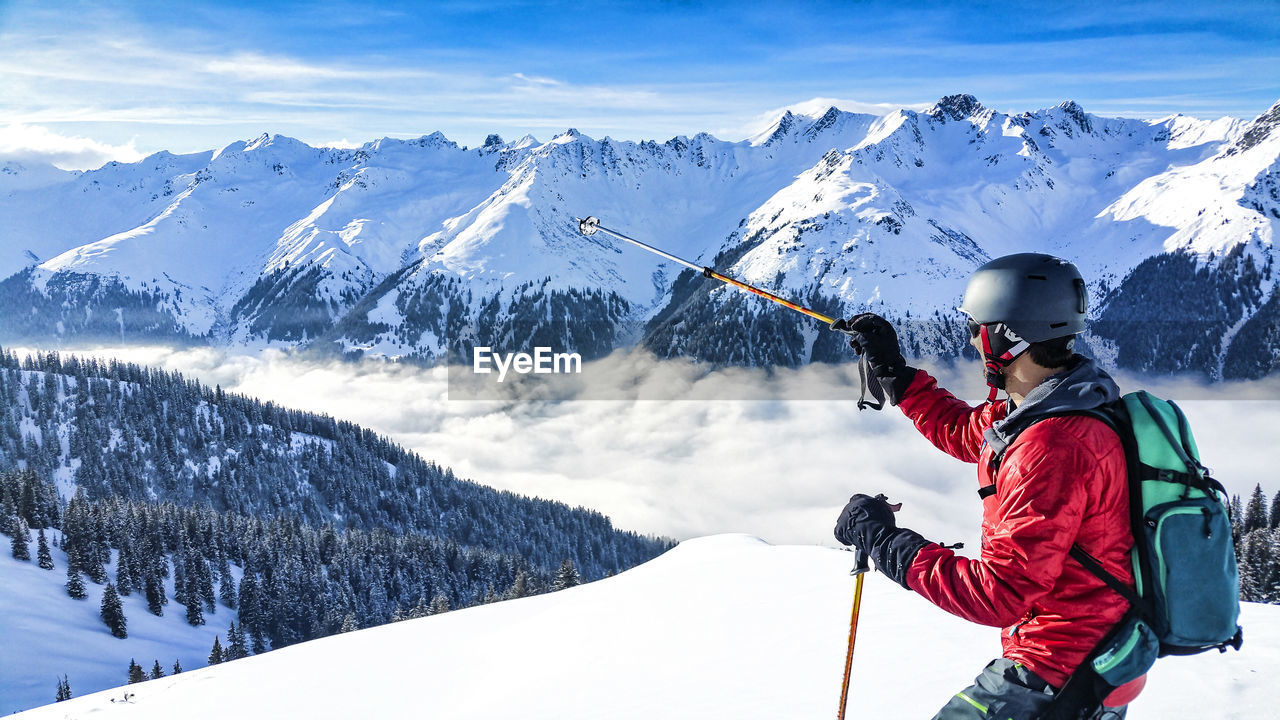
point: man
(1048, 479)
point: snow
(864, 208)
(48, 634)
(723, 626)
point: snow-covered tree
(112, 612)
(75, 586)
(21, 535)
(566, 576)
(490, 596)
(1255, 511)
(195, 605)
(154, 589)
(348, 623)
(520, 586)
(215, 655)
(1236, 510)
(235, 644)
(43, 556)
(227, 590)
(439, 604)
(1256, 562)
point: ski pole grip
(860, 564)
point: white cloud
(776, 467)
(38, 144)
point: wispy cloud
(198, 77)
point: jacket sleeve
(951, 424)
(1040, 504)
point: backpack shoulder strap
(1116, 418)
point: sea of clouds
(691, 451)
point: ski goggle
(975, 328)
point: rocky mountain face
(419, 249)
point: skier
(1044, 486)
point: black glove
(873, 336)
(868, 524)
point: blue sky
(118, 79)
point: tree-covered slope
(116, 429)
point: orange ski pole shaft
(591, 225)
(860, 572)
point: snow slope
(36, 612)
(720, 627)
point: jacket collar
(1080, 387)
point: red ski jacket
(1061, 481)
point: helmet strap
(1000, 347)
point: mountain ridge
(270, 242)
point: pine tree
(195, 606)
(136, 673)
(21, 536)
(43, 556)
(1275, 511)
(422, 608)
(490, 596)
(227, 590)
(520, 586)
(113, 613)
(64, 689)
(1236, 511)
(215, 655)
(1269, 586)
(348, 623)
(154, 589)
(439, 604)
(1255, 563)
(157, 672)
(235, 644)
(566, 576)
(75, 586)
(124, 569)
(177, 666)
(1255, 512)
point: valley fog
(773, 461)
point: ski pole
(589, 226)
(859, 571)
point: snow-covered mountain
(420, 248)
(725, 626)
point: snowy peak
(1076, 114)
(1261, 130)
(831, 123)
(955, 107)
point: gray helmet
(1039, 297)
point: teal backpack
(1184, 564)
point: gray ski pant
(1007, 691)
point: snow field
(720, 627)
